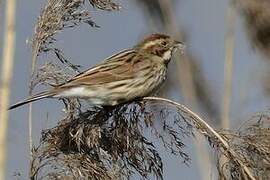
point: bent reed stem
(197, 120)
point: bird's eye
(164, 43)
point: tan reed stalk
(205, 128)
(35, 48)
(183, 66)
(8, 57)
(228, 69)
(187, 86)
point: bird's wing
(115, 68)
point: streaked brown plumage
(130, 74)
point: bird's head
(160, 45)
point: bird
(130, 74)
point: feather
(33, 98)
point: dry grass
(252, 144)
(105, 4)
(105, 143)
(55, 17)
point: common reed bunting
(129, 74)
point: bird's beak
(180, 45)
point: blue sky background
(204, 21)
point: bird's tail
(33, 98)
